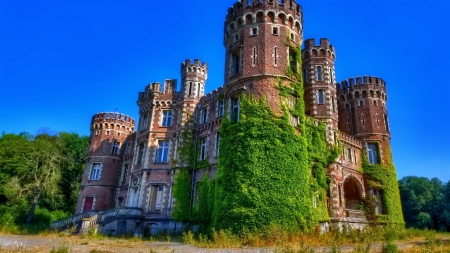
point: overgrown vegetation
(39, 179)
(387, 176)
(283, 241)
(271, 174)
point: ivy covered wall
(270, 172)
(387, 177)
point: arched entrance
(353, 194)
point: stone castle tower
(110, 140)
(134, 170)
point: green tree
(74, 150)
(39, 173)
(421, 201)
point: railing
(127, 211)
(356, 214)
(350, 140)
(89, 222)
(91, 218)
(71, 220)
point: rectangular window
(331, 75)
(332, 104)
(115, 148)
(167, 118)
(95, 172)
(254, 31)
(236, 62)
(125, 173)
(220, 108)
(140, 153)
(360, 102)
(217, 143)
(144, 122)
(319, 73)
(203, 149)
(204, 115)
(293, 60)
(163, 152)
(372, 153)
(235, 104)
(275, 30)
(386, 123)
(320, 96)
(349, 154)
(156, 197)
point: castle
(131, 165)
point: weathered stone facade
(141, 173)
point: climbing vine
(186, 163)
(386, 175)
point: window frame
(162, 153)
(166, 120)
(144, 123)
(220, 107)
(320, 96)
(254, 31)
(319, 73)
(236, 66)
(236, 108)
(140, 156)
(372, 152)
(95, 171)
(204, 115)
(115, 148)
(217, 150)
(203, 148)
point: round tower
(318, 77)
(256, 35)
(363, 113)
(109, 141)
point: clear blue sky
(63, 61)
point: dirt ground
(26, 243)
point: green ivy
(385, 173)
(270, 173)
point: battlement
(198, 67)
(287, 6)
(352, 83)
(213, 94)
(113, 117)
(324, 43)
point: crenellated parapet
(362, 87)
(194, 69)
(323, 50)
(113, 121)
(247, 13)
(194, 75)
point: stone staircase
(83, 222)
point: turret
(255, 37)
(109, 140)
(320, 91)
(193, 76)
(363, 113)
